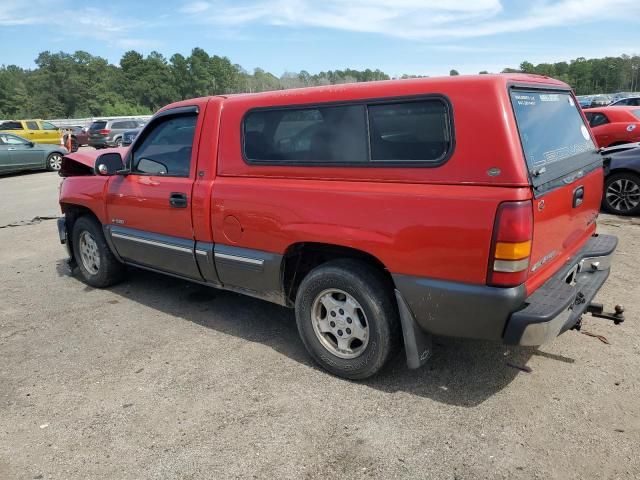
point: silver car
(17, 154)
(108, 133)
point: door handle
(11, 149)
(178, 200)
(578, 197)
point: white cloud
(413, 19)
(86, 22)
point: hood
(83, 162)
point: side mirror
(30, 144)
(108, 164)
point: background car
(631, 101)
(622, 180)
(36, 131)
(614, 125)
(600, 100)
(108, 133)
(129, 136)
(79, 137)
(17, 153)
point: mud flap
(417, 343)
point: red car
(383, 212)
(614, 125)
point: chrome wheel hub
(623, 195)
(89, 254)
(55, 161)
(339, 323)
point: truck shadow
(460, 372)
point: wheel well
(71, 214)
(628, 171)
(301, 258)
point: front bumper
(506, 314)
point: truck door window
(166, 148)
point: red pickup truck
(383, 212)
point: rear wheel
(54, 161)
(74, 144)
(97, 265)
(118, 142)
(622, 194)
(347, 318)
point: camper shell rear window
(555, 139)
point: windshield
(554, 137)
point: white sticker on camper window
(549, 97)
(525, 100)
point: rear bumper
(507, 314)
(99, 142)
(558, 304)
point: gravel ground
(158, 378)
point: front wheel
(97, 265)
(622, 194)
(347, 318)
(54, 162)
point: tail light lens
(104, 131)
(511, 244)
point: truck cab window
(166, 149)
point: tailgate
(566, 175)
(562, 223)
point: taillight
(511, 244)
(104, 131)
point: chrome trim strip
(151, 242)
(204, 253)
(236, 258)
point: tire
(339, 283)
(622, 194)
(97, 265)
(118, 142)
(74, 144)
(54, 161)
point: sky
(422, 37)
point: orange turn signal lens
(512, 251)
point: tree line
(65, 85)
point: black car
(622, 179)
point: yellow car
(35, 131)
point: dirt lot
(158, 378)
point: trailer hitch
(597, 310)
